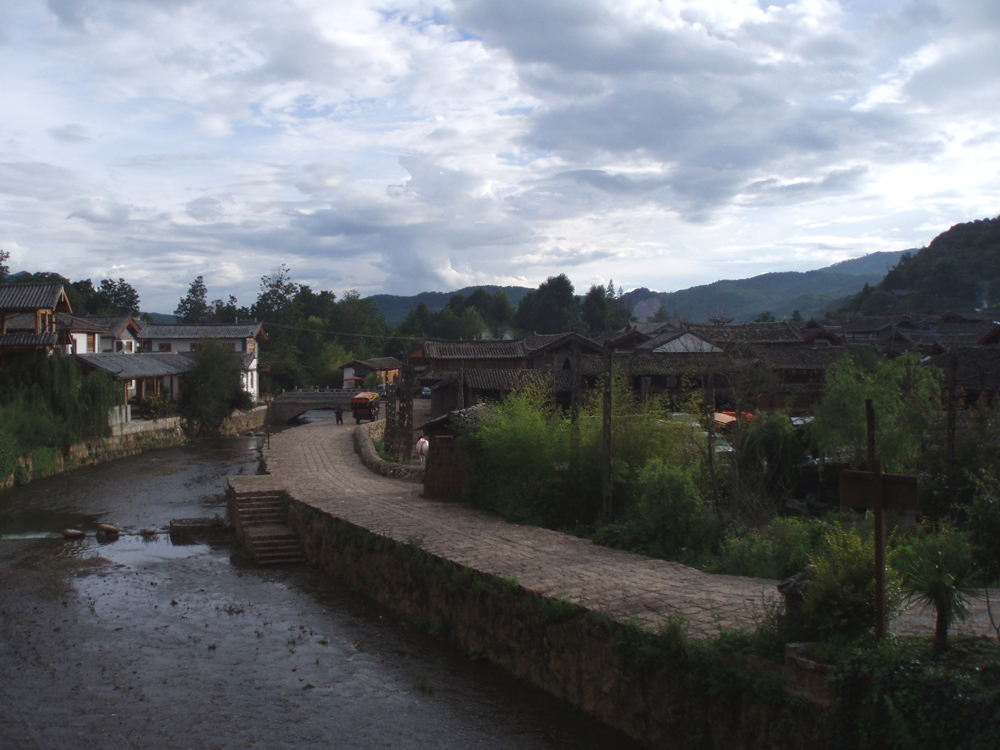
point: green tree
(193, 306)
(906, 396)
(4, 268)
(212, 389)
(116, 297)
(552, 308)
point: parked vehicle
(364, 405)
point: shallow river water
(145, 644)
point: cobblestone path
(317, 465)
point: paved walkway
(317, 465)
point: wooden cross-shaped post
(877, 491)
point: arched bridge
(287, 406)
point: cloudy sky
(402, 146)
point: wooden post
(879, 511)
(606, 434)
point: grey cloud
(99, 211)
(204, 208)
(70, 133)
(43, 182)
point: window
(91, 343)
(164, 347)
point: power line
(342, 333)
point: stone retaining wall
(364, 434)
(141, 436)
(694, 699)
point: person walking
(338, 410)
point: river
(141, 643)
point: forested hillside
(959, 270)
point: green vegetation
(959, 270)
(212, 389)
(46, 405)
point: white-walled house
(241, 338)
(119, 334)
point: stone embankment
(137, 437)
(572, 617)
(597, 627)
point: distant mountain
(396, 308)
(809, 292)
(958, 270)
(781, 294)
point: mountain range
(781, 294)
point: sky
(405, 146)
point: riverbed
(144, 643)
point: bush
(840, 598)
(672, 514)
(782, 548)
(938, 571)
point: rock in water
(73, 534)
(107, 528)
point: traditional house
(386, 369)
(152, 373)
(240, 338)
(36, 304)
(120, 333)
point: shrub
(938, 571)
(672, 514)
(780, 549)
(840, 597)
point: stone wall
(364, 435)
(137, 437)
(690, 700)
(242, 422)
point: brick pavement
(317, 465)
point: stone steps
(265, 535)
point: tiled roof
(170, 331)
(799, 357)
(25, 321)
(26, 297)
(489, 349)
(747, 333)
(978, 367)
(19, 339)
(508, 380)
(75, 323)
(147, 365)
(382, 363)
(112, 324)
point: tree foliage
(212, 389)
(552, 308)
(959, 270)
(906, 396)
(193, 306)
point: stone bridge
(287, 406)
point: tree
(660, 316)
(277, 293)
(212, 389)
(552, 308)
(117, 296)
(4, 268)
(193, 306)
(906, 396)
